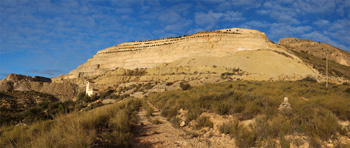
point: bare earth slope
(265, 62)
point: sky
(52, 37)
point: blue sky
(53, 37)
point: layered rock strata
(148, 54)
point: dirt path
(163, 134)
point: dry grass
(316, 109)
(76, 129)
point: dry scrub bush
(203, 121)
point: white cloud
(232, 16)
(317, 36)
(284, 18)
(280, 30)
(340, 29)
(322, 23)
(210, 19)
(169, 17)
(316, 6)
(247, 3)
(343, 7)
(255, 24)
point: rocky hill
(317, 49)
(209, 44)
(314, 54)
(142, 67)
(16, 82)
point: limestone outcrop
(15, 82)
(317, 49)
(149, 54)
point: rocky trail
(161, 134)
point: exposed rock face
(148, 54)
(317, 49)
(14, 82)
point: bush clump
(204, 121)
(185, 86)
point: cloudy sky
(53, 37)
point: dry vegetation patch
(104, 126)
(316, 110)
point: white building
(89, 89)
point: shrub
(175, 122)
(204, 121)
(309, 79)
(251, 109)
(347, 90)
(316, 121)
(149, 111)
(81, 95)
(193, 113)
(222, 108)
(169, 83)
(245, 138)
(284, 142)
(169, 112)
(185, 86)
(230, 127)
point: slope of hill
(317, 49)
(314, 54)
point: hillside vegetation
(316, 113)
(107, 126)
(335, 69)
(315, 109)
